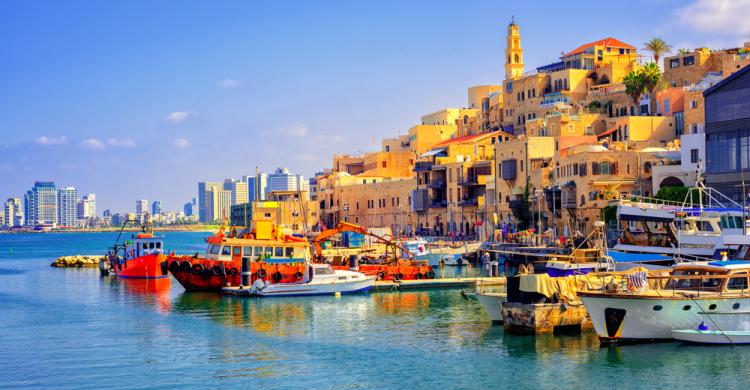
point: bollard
(245, 275)
(354, 263)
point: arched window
(606, 168)
(517, 59)
(647, 167)
(509, 59)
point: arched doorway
(671, 181)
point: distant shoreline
(184, 228)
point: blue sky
(143, 99)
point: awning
(433, 152)
(606, 133)
(613, 182)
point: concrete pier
(541, 318)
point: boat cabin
(726, 276)
(266, 250)
(144, 244)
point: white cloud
(228, 83)
(44, 140)
(298, 130)
(182, 143)
(92, 144)
(177, 116)
(718, 16)
(123, 143)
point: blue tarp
(625, 257)
(729, 262)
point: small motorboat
(492, 305)
(141, 257)
(318, 279)
(454, 260)
(717, 337)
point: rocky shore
(77, 261)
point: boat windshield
(698, 280)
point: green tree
(651, 77)
(657, 47)
(634, 86)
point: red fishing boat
(140, 257)
(273, 256)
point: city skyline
(108, 118)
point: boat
(272, 255)
(454, 260)
(318, 279)
(395, 263)
(140, 257)
(690, 229)
(716, 337)
(653, 303)
(492, 302)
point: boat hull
(206, 279)
(144, 267)
(326, 287)
(711, 336)
(636, 319)
(492, 305)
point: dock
(541, 318)
(424, 284)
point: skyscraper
(256, 186)
(187, 209)
(203, 198)
(238, 189)
(156, 208)
(87, 207)
(13, 213)
(218, 206)
(67, 210)
(141, 208)
(40, 204)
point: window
(693, 104)
(694, 156)
(384, 164)
(278, 251)
(214, 250)
(674, 63)
(248, 251)
(667, 108)
(622, 51)
(738, 283)
(236, 251)
(225, 251)
(687, 61)
(289, 252)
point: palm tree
(683, 51)
(634, 86)
(651, 76)
(657, 47)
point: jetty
(423, 284)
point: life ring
(262, 273)
(298, 276)
(234, 271)
(216, 270)
(276, 277)
(185, 266)
(198, 268)
(174, 266)
(417, 276)
(430, 274)
(398, 276)
(381, 275)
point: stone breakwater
(77, 261)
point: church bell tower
(513, 53)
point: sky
(144, 99)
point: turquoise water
(69, 328)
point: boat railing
(667, 285)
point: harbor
(316, 341)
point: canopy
(433, 152)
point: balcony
(468, 181)
(606, 89)
(437, 203)
(436, 184)
(568, 198)
(468, 202)
(423, 166)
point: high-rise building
(204, 188)
(283, 180)
(187, 209)
(141, 208)
(40, 204)
(238, 189)
(256, 186)
(67, 210)
(156, 208)
(13, 213)
(219, 205)
(87, 207)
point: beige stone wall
(381, 204)
(423, 137)
(694, 112)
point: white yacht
(692, 229)
(318, 279)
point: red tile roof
(606, 42)
(468, 138)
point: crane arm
(349, 227)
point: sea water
(71, 328)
